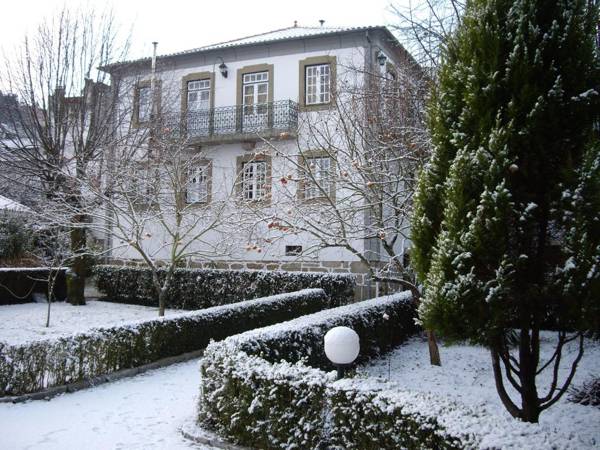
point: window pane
(144, 104)
(254, 180)
(317, 177)
(198, 95)
(197, 186)
(318, 82)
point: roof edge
(109, 68)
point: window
(255, 95)
(293, 250)
(198, 107)
(144, 106)
(197, 185)
(318, 177)
(140, 185)
(198, 95)
(318, 84)
(254, 179)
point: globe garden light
(342, 345)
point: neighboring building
(232, 95)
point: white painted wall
(349, 52)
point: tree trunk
(161, 302)
(530, 405)
(79, 266)
(434, 351)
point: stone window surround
(313, 61)
(209, 174)
(135, 121)
(240, 160)
(302, 185)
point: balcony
(239, 123)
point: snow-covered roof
(6, 204)
(282, 34)
(277, 35)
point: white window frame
(257, 81)
(254, 180)
(318, 177)
(317, 84)
(198, 88)
(197, 184)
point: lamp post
(342, 345)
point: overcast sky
(180, 24)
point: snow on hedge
(264, 388)
(370, 411)
(38, 365)
(273, 388)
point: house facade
(251, 106)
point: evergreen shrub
(17, 285)
(38, 365)
(202, 288)
(268, 388)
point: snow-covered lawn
(466, 377)
(143, 412)
(26, 322)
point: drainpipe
(153, 79)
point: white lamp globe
(341, 345)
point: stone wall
(365, 288)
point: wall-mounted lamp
(381, 58)
(222, 67)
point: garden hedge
(273, 388)
(38, 365)
(264, 388)
(202, 288)
(17, 285)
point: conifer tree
(506, 227)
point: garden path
(142, 412)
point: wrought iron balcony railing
(238, 122)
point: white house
(237, 98)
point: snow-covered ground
(27, 321)
(143, 412)
(466, 376)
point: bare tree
(423, 27)
(52, 251)
(350, 179)
(65, 116)
(157, 206)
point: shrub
(38, 365)
(17, 285)
(366, 417)
(258, 389)
(587, 394)
(253, 397)
(203, 288)
(15, 237)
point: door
(198, 104)
(255, 92)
